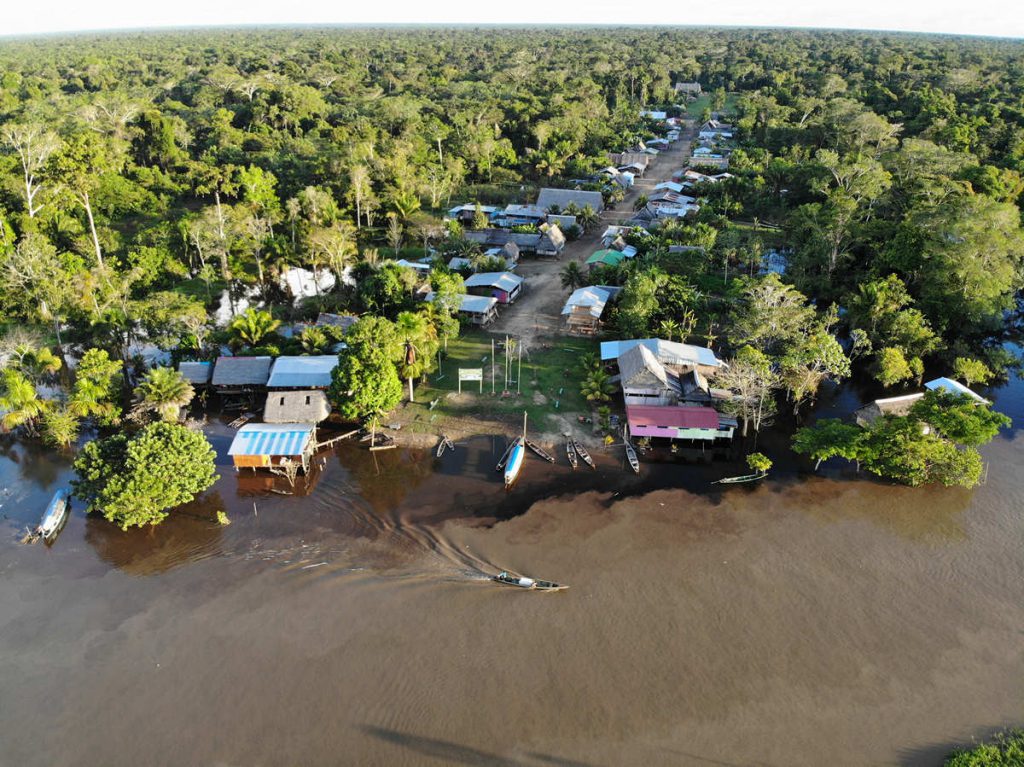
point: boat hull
(515, 463)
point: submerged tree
(163, 391)
(134, 480)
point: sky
(1003, 18)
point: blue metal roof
(272, 439)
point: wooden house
(266, 445)
(678, 423)
(562, 198)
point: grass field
(549, 385)
(694, 108)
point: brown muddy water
(828, 620)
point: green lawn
(551, 369)
(694, 108)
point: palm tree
(253, 327)
(163, 391)
(60, 427)
(669, 329)
(36, 364)
(641, 202)
(19, 401)
(414, 330)
(314, 340)
(597, 386)
(587, 217)
(572, 276)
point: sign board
(471, 374)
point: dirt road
(538, 312)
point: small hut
(266, 445)
(303, 406)
(897, 406)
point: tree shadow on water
(453, 753)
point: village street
(538, 312)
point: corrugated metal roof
(241, 371)
(196, 372)
(667, 352)
(562, 197)
(590, 298)
(272, 439)
(670, 418)
(305, 372)
(607, 257)
(953, 387)
(501, 280)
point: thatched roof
(562, 198)
(241, 371)
(640, 369)
(304, 406)
(343, 321)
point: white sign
(471, 374)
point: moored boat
(540, 451)
(444, 444)
(570, 452)
(634, 462)
(515, 461)
(582, 452)
(55, 515)
(526, 583)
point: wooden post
(492, 365)
(519, 372)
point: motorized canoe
(570, 451)
(582, 452)
(54, 516)
(526, 583)
(540, 451)
(504, 457)
(735, 480)
(515, 461)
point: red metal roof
(648, 416)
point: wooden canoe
(540, 451)
(582, 452)
(570, 451)
(633, 460)
(735, 480)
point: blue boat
(515, 461)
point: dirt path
(538, 312)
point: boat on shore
(634, 462)
(540, 451)
(444, 444)
(55, 516)
(570, 452)
(582, 452)
(523, 582)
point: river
(808, 620)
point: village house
(465, 214)
(342, 321)
(525, 242)
(688, 89)
(520, 215)
(232, 375)
(585, 307)
(713, 130)
(654, 114)
(552, 241)
(301, 406)
(682, 422)
(667, 353)
(646, 380)
(560, 199)
(617, 231)
(266, 445)
(607, 257)
(504, 286)
(627, 160)
(898, 406)
(302, 372)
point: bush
(1006, 750)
